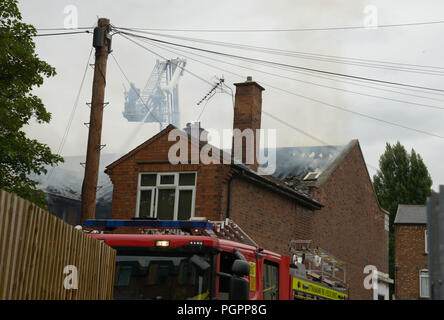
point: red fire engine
(201, 260)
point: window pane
(271, 281)
(187, 179)
(424, 279)
(185, 202)
(148, 180)
(165, 206)
(167, 179)
(145, 203)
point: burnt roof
(297, 162)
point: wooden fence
(39, 254)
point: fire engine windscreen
(168, 277)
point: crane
(159, 100)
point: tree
(402, 178)
(20, 71)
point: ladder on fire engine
(230, 231)
(322, 265)
(226, 229)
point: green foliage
(402, 178)
(20, 71)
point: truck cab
(199, 260)
(193, 267)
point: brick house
(146, 184)
(338, 210)
(411, 261)
(351, 225)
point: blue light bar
(153, 224)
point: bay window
(166, 195)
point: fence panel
(40, 255)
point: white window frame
(426, 247)
(421, 276)
(158, 186)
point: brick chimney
(247, 115)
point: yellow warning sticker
(252, 276)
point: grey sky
(414, 45)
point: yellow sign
(317, 290)
(252, 276)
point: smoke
(298, 161)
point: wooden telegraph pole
(101, 42)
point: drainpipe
(229, 197)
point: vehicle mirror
(239, 288)
(240, 268)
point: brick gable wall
(410, 258)
(351, 224)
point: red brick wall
(124, 177)
(351, 225)
(411, 258)
(269, 218)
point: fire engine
(201, 260)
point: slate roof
(411, 214)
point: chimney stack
(247, 115)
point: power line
(326, 86)
(286, 65)
(183, 68)
(63, 29)
(295, 53)
(298, 129)
(335, 106)
(312, 56)
(295, 29)
(71, 117)
(314, 75)
(59, 34)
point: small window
(147, 180)
(424, 290)
(426, 240)
(167, 179)
(271, 280)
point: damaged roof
(294, 164)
